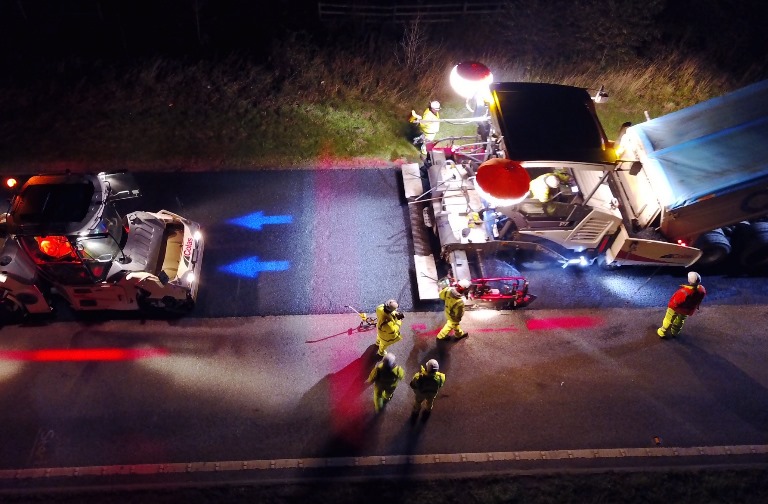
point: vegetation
(679, 486)
(306, 108)
(337, 99)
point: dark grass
(314, 108)
(674, 486)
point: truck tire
(715, 247)
(754, 255)
(11, 310)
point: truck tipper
(702, 178)
(690, 187)
(63, 237)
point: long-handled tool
(366, 322)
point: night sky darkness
(44, 31)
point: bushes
(347, 96)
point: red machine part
(500, 292)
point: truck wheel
(175, 306)
(11, 310)
(714, 246)
(754, 256)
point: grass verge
(333, 111)
(678, 486)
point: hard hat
(389, 360)
(432, 366)
(463, 284)
(434, 105)
(552, 181)
(390, 306)
(694, 278)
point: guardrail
(425, 13)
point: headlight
(197, 235)
(191, 277)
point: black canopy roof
(549, 122)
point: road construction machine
(62, 237)
(688, 188)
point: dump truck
(688, 188)
(62, 237)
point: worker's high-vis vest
(428, 384)
(687, 299)
(387, 325)
(428, 124)
(386, 377)
(454, 306)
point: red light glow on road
(346, 388)
(421, 330)
(563, 323)
(82, 354)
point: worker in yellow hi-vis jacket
(425, 384)
(388, 322)
(454, 309)
(385, 376)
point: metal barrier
(426, 13)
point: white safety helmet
(463, 285)
(434, 105)
(432, 366)
(551, 181)
(389, 360)
(694, 278)
(390, 306)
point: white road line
(379, 460)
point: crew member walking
(683, 303)
(385, 376)
(388, 322)
(425, 385)
(454, 309)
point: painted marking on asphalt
(376, 460)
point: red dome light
(503, 180)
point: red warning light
(11, 182)
(503, 179)
(57, 247)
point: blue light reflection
(257, 220)
(252, 266)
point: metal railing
(426, 13)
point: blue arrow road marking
(257, 219)
(252, 266)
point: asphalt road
(272, 365)
(326, 238)
(342, 237)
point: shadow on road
(734, 389)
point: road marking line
(374, 460)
